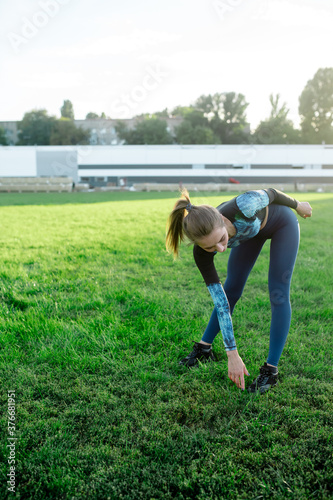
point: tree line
(213, 119)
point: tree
(181, 111)
(3, 138)
(195, 127)
(122, 130)
(277, 128)
(35, 128)
(162, 114)
(92, 116)
(316, 108)
(65, 133)
(67, 110)
(227, 116)
(186, 133)
(223, 114)
(228, 106)
(211, 105)
(147, 131)
(196, 118)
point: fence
(36, 184)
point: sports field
(94, 317)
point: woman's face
(216, 241)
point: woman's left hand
(304, 209)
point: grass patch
(94, 316)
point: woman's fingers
(236, 371)
(238, 379)
(308, 209)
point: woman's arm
(205, 263)
(223, 315)
(277, 197)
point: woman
(242, 224)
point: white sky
(129, 57)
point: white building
(114, 165)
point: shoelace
(263, 374)
(196, 349)
(200, 347)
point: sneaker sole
(209, 360)
(263, 388)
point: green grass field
(94, 317)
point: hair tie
(188, 206)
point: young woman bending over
(243, 224)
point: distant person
(243, 224)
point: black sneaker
(268, 378)
(201, 352)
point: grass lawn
(94, 317)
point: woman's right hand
(236, 369)
(304, 209)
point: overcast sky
(130, 57)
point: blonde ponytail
(175, 233)
(191, 221)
